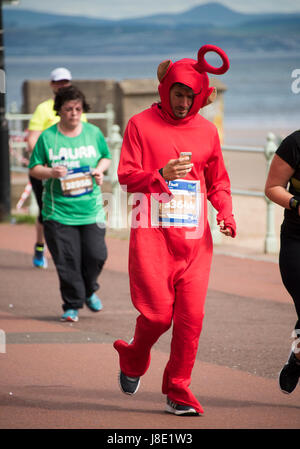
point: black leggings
(79, 253)
(289, 264)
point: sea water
(259, 85)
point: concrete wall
(98, 94)
(215, 111)
(128, 97)
(132, 97)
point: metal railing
(18, 163)
(19, 157)
(268, 150)
(17, 141)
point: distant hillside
(19, 18)
(213, 14)
(210, 14)
(33, 33)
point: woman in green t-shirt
(71, 157)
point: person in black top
(283, 187)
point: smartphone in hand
(185, 154)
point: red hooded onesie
(169, 263)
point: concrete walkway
(64, 376)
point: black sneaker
(289, 375)
(179, 409)
(129, 385)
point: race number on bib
(182, 210)
(77, 182)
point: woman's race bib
(77, 182)
(183, 210)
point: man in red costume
(170, 245)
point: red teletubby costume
(169, 266)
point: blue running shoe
(70, 315)
(94, 303)
(39, 260)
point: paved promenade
(64, 376)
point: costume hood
(193, 74)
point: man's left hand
(226, 231)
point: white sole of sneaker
(40, 267)
(189, 412)
(43, 267)
(69, 320)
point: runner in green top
(72, 157)
(85, 150)
(43, 117)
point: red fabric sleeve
(131, 173)
(218, 187)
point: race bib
(183, 210)
(77, 182)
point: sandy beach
(252, 135)
(248, 170)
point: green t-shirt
(86, 149)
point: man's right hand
(177, 168)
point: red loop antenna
(203, 66)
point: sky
(119, 9)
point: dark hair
(69, 93)
(184, 86)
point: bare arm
(279, 174)
(32, 139)
(98, 172)
(41, 172)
